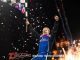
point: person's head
(78, 44)
(46, 30)
(55, 52)
(56, 17)
(57, 44)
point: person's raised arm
(64, 51)
(31, 29)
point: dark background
(10, 34)
(72, 9)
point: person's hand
(27, 22)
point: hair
(47, 28)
